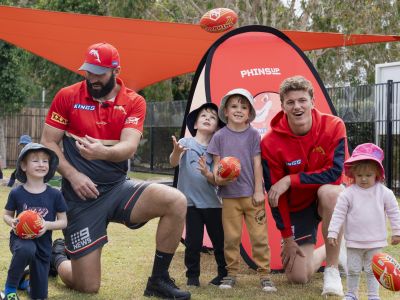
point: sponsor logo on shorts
(260, 217)
(58, 118)
(81, 238)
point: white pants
(357, 259)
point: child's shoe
(332, 282)
(350, 296)
(216, 280)
(267, 285)
(193, 281)
(227, 282)
(10, 296)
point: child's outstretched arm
(176, 153)
(9, 218)
(59, 223)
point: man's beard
(105, 89)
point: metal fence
(370, 112)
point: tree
(12, 91)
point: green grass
(127, 262)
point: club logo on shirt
(81, 238)
(293, 163)
(84, 107)
(319, 149)
(132, 120)
(58, 118)
(120, 108)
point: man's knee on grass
(299, 276)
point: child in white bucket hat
(362, 208)
(242, 198)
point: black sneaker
(165, 288)
(57, 250)
(193, 281)
(217, 280)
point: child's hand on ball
(14, 223)
(43, 230)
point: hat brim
(53, 161)
(192, 117)
(98, 70)
(221, 112)
(350, 162)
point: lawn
(127, 262)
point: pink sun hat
(367, 151)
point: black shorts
(305, 224)
(88, 220)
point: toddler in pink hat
(362, 208)
(367, 154)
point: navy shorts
(88, 220)
(305, 224)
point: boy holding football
(242, 197)
(196, 181)
(36, 165)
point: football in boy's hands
(29, 224)
(229, 167)
(387, 271)
(218, 20)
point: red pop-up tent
(256, 58)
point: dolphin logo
(95, 53)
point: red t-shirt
(74, 111)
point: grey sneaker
(267, 285)
(227, 282)
(350, 296)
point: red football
(229, 167)
(387, 271)
(29, 224)
(218, 20)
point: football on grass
(387, 271)
(229, 167)
(218, 20)
(29, 224)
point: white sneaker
(227, 282)
(343, 258)
(332, 282)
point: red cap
(100, 58)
